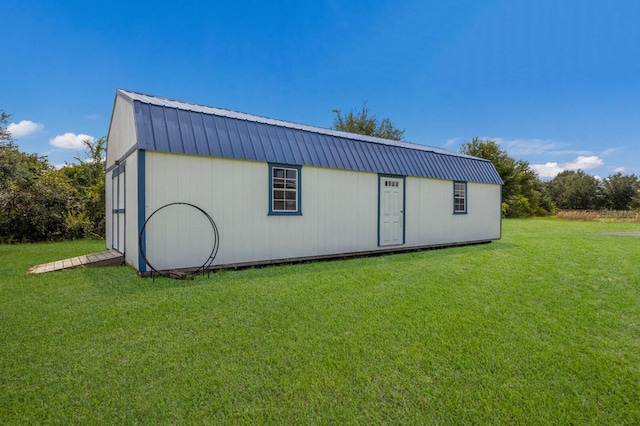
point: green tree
(523, 193)
(36, 211)
(620, 192)
(364, 124)
(86, 217)
(504, 164)
(16, 167)
(575, 190)
(38, 202)
(34, 197)
(5, 135)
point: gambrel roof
(179, 127)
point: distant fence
(600, 215)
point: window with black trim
(459, 197)
(284, 190)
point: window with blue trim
(284, 190)
(459, 197)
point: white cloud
(547, 170)
(518, 147)
(528, 146)
(585, 163)
(93, 116)
(550, 170)
(608, 151)
(71, 141)
(451, 142)
(24, 128)
(619, 169)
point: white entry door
(391, 207)
(118, 197)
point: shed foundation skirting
(326, 257)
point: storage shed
(185, 181)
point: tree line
(524, 194)
(39, 202)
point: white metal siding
(339, 212)
(486, 216)
(430, 219)
(122, 131)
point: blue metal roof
(180, 127)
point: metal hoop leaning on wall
(205, 266)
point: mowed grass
(541, 327)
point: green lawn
(541, 327)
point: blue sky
(555, 83)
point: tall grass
(541, 327)
(600, 215)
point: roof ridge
(201, 108)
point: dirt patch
(635, 234)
